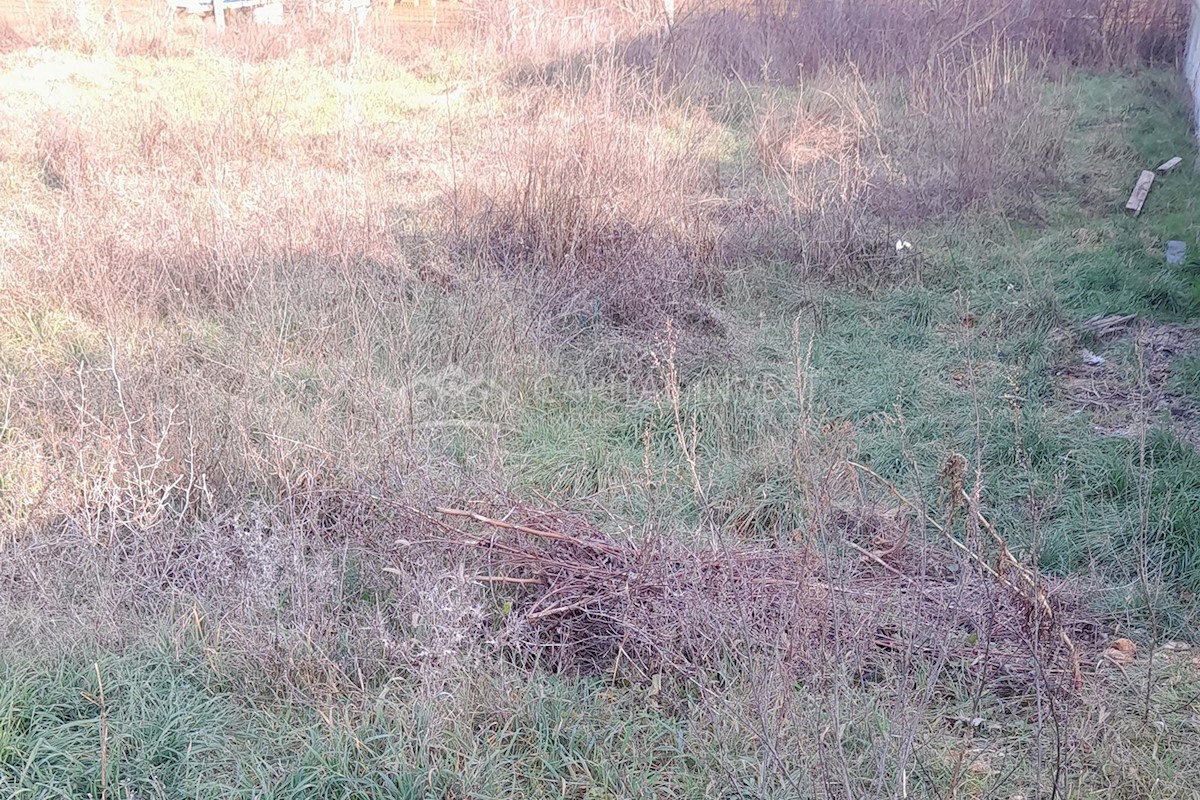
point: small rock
(1176, 251)
(1091, 359)
(1176, 647)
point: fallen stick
(510, 526)
(867, 554)
(507, 579)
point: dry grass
(584, 602)
(786, 40)
(239, 270)
(264, 297)
(235, 270)
(602, 202)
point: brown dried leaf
(1120, 652)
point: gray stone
(1176, 252)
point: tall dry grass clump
(546, 30)
(842, 165)
(985, 135)
(603, 201)
(820, 165)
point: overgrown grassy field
(802, 511)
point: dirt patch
(1126, 399)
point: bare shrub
(230, 576)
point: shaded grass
(169, 730)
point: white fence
(1191, 66)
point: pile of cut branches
(578, 600)
(589, 603)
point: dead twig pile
(588, 603)
(577, 600)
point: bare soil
(1124, 402)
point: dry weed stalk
(1008, 571)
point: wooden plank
(1169, 165)
(219, 13)
(1138, 197)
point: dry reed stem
(1030, 588)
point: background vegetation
(269, 299)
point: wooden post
(1191, 68)
(219, 14)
